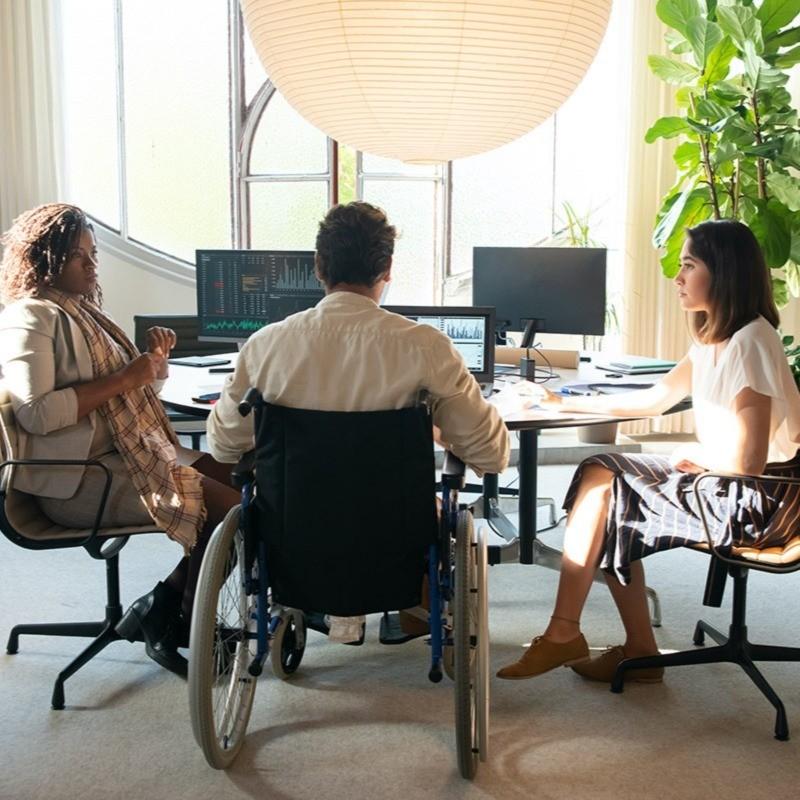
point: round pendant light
(426, 81)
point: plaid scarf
(139, 427)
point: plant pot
(605, 433)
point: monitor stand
(533, 326)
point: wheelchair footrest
(392, 631)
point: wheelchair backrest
(346, 503)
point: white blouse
(752, 358)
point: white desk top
(184, 383)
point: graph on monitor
(241, 291)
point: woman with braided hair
(80, 389)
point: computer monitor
(241, 291)
(546, 289)
(470, 328)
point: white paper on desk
(520, 401)
(516, 397)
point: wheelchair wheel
(288, 643)
(470, 646)
(221, 689)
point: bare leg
(586, 530)
(631, 603)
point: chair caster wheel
(435, 674)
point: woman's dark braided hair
(36, 248)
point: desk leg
(528, 462)
(490, 488)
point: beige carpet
(366, 723)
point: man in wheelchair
(347, 354)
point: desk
(521, 544)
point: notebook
(634, 365)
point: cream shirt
(348, 354)
(752, 358)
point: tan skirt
(124, 505)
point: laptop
(470, 328)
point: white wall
(140, 283)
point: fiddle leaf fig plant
(738, 151)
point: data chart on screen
(241, 291)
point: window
(175, 138)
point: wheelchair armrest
(244, 470)
(453, 471)
(250, 401)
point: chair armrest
(67, 462)
(771, 479)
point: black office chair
(186, 329)
(735, 647)
(25, 525)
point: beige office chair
(25, 525)
(735, 647)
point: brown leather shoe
(604, 666)
(544, 655)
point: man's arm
(229, 433)
(470, 427)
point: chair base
(103, 632)
(734, 648)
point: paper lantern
(426, 80)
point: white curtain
(653, 323)
(28, 128)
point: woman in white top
(624, 507)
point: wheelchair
(338, 515)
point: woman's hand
(550, 399)
(144, 370)
(161, 339)
(685, 458)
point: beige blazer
(43, 354)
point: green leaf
(785, 39)
(674, 72)
(666, 225)
(703, 36)
(724, 151)
(666, 128)
(677, 43)
(687, 155)
(719, 60)
(740, 24)
(780, 292)
(785, 188)
(789, 58)
(677, 13)
(770, 227)
(739, 131)
(730, 91)
(790, 150)
(766, 150)
(758, 73)
(696, 210)
(774, 14)
(792, 272)
(794, 247)
(711, 110)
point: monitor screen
(241, 291)
(562, 288)
(470, 329)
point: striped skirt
(654, 508)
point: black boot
(156, 615)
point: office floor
(366, 723)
